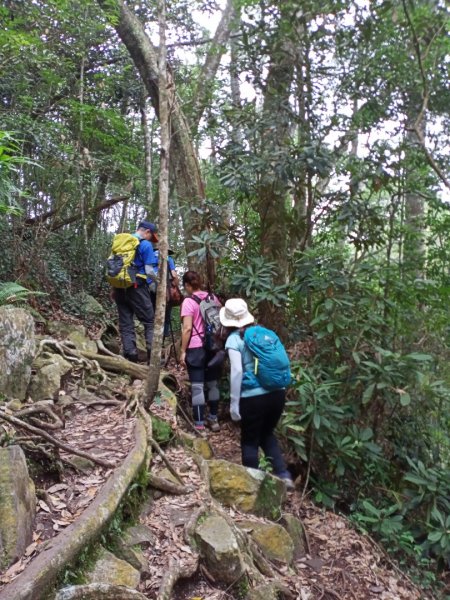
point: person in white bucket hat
(258, 409)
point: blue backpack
(272, 367)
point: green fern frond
(10, 292)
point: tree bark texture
(166, 93)
(147, 131)
(272, 193)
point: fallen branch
(164, 485)
(176, 571)
(36, 430)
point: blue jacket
(144, 256)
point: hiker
(257, 408)
(135, 300)
(194, 355)
(172, 275)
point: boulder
(139, 535)
(133, 556)
(272, 539)
(17, 505)
(90, 306)
(219, 549)
(249, 490)
(114, 571)
(295, 529)
(49, 369)
(129, 546)
(77, 334)
(17, 349)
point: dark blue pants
(260, 415)
(134, 302)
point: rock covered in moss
(219, 549)
(17, 505)
(115, 571)
(249, 490)
(272, 539)
(17, 349)
(77, 334)
(295, 529)
(49, 369)
(201, 446)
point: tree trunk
(166, 95)
(185, 169)
(272, 193)
(414, 247)
(147, 131)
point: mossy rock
(115, 571)
(17, 349)
(295, 529)
(162, 431)
(17, 505)
(249, 490)
(201, 446)
(219, 549)
(46, 381)
(272, 539)
(74, 332)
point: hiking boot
(131, 357)
(286, 477)
(213, 424)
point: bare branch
(212, 62)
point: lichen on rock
(249, 490)
(17, 505)
(17, 349)
(219, 549)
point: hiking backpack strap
(198, 301)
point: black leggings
(260, 415)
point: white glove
(234, 410)
(152, 287)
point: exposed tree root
(174, 573)
(71, 354)
(44, 406)
(118, 365)
(102, 348)
(40, 432)
(164, 485)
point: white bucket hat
(235, 313)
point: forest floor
(340, 563)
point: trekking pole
(173, 342)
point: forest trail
(339, 563)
